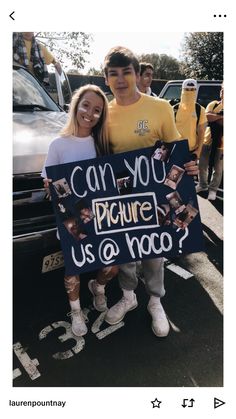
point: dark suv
(37, 120)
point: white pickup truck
(207, 91)
(37, 120)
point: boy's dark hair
(120, 57)
(144, 66)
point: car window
(60, 89)
(172, 92)
(109, 96)
(207, 94)
(27, 91)
(65, 88)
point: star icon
(156, 403)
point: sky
(149, 42)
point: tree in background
(165, 66)
(203, 55)
(96, 72)
(69, 48)
(73, 71)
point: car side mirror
(66, 107)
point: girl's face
(89, 111)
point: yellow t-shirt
(141, 124)
(210, 108)
(48, 57)
(186, 123)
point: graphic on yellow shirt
(140, 124)
(142, 127)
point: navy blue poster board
(126, 207)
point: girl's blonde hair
(99, 131)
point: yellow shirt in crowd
(186, 119)
(141, 124)
(48, 57)
(217, 109)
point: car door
(171, 92)
(207, 93)
(63, 89)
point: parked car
(60, 89)
(37, 120)
(207, 91)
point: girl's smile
(89, 111)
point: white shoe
(99, 298)
(212, 196)
(160, 324)
(78, 327)
(116, 313)
(200, 188)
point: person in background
(145, 80)
(83, 137)
(33, 55)
(211, 158)
(190, 117)
(137, 120)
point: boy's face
(122, 81)
(28, 35)
(146, 77)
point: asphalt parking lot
(128, 355)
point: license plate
(53, 261)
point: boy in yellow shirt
(135, 121)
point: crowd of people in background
(96, 127)
(204, 130)
(211, 157)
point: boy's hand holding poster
(126, 207)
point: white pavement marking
(98, 322)
(211, 217)
(173, 268)
(80, 341)
(43, 333)
(16, 373)
(86, 312)
(28, 364)
(195, 384)
(178, 270)
(208, 237)
(174, 327)
(109, 330)
(207, 275)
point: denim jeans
(204, 168)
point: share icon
(218, 402)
